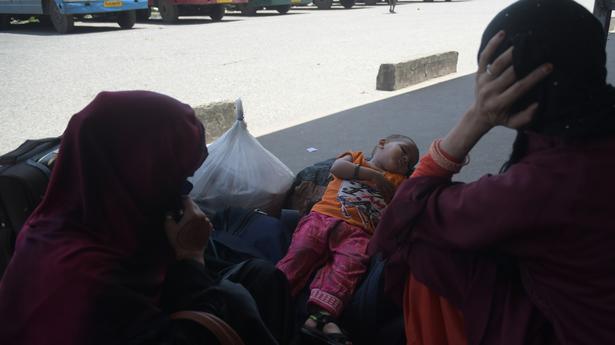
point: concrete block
(217, 118)
(393, 77)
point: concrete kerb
(393, 77)
(217, 118)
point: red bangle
(444, 160)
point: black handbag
(24, 175)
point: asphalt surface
(423, 114)
(288, 69)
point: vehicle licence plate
(224, 1)
(113, 3)
(296, 1)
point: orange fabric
(428, 167)
(355, 202)
(429, 318)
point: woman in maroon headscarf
(526, 256)
(93, 265)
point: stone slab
(217, 118)
(393, 77)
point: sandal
(318, 334)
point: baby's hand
(384, 186)
(189, 237)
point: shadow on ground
(260, 13)
(188, 20)
(38, 29)
(424, 115)
(84, 26)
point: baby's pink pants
(334, 246)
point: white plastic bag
(240, 172)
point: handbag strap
(225, 334)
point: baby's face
(398, 156)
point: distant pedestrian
(392, 4)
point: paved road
(288, 69)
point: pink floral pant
(338, 249)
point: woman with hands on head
(93, 265)
(525, 256)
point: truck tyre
(5, 21)
(283, 9)
(143, 15)
(217, 12)
(63, 23)
(168, 11)
(127, 19)
(347, 3)
(323, 4)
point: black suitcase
(24, 174)
(243, 234)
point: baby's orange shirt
(355, 202)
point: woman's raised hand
(189, 236)
(497, 88)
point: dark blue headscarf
(575, 101)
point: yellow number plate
(224, 1)
(296, 1)
(113, 3)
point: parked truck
(62, 13)
(170, 10)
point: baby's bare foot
(309, 323)
(329, 328)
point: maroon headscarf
(90, 261)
